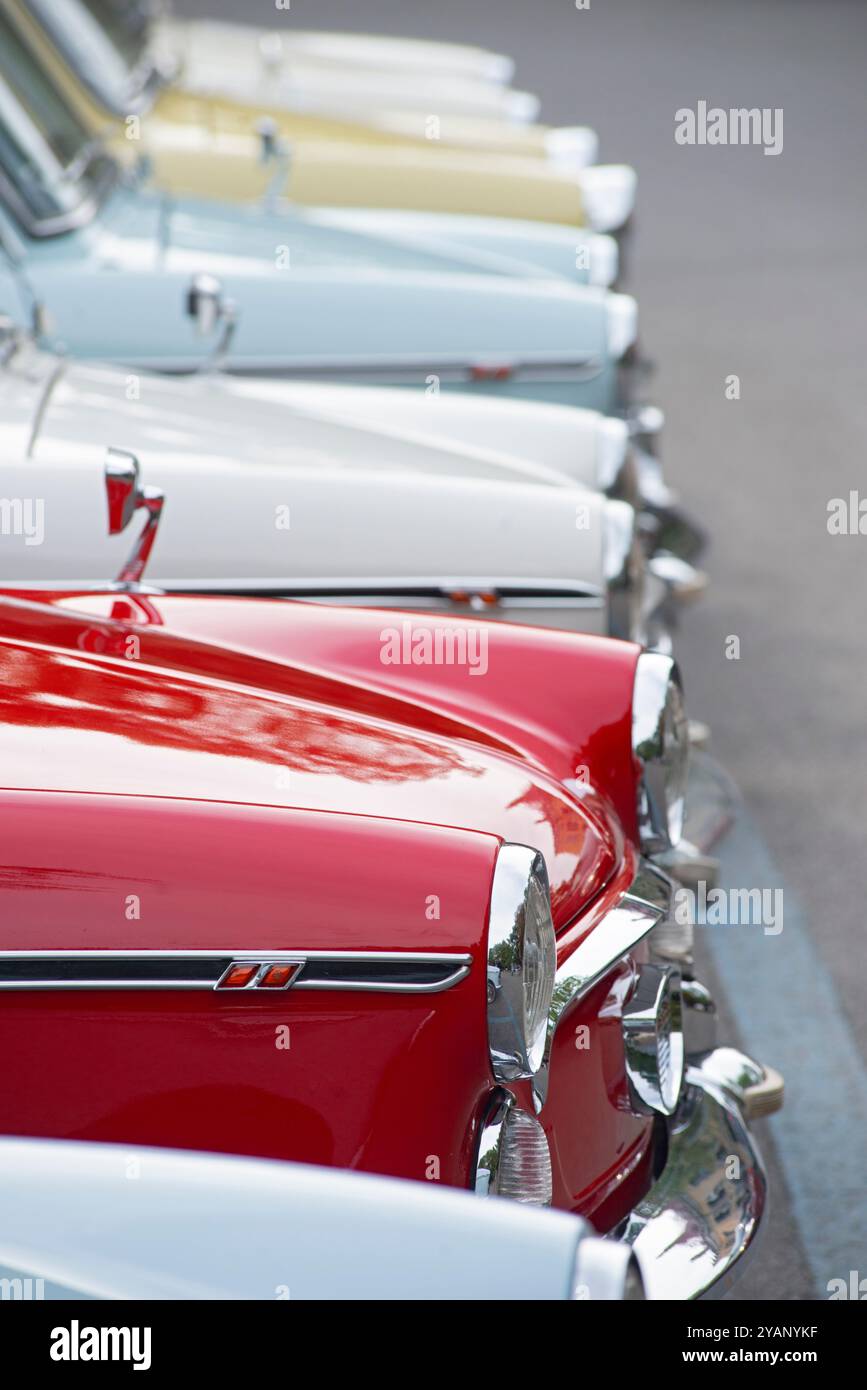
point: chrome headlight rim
(522, 963)
(660, 742)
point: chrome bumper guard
(703, 1214)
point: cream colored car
(210, 142)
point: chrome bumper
(703, 1214)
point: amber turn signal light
(238, 976)
(277, 976)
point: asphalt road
(750, 265)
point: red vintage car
(309, 883)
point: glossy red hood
(273, 705)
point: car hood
(312, 240)
(232, 423)
(500, 244)
(212, 38)
(317, 300)
(274, 487)
(235, 73)
(199, 718)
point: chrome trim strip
(533, 592)
(455, 968)
(416, 365)
(412, 368)
(388, 987)
(697, 1223)
(398, 588)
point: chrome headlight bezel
(522, 962)
(660, 742)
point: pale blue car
(128, 274)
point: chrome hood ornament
(210, 309)
(125, 497)
(275, 152)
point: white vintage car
(107, 1221)
(251, 63)
(379, 53)
(327, 492)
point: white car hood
(213, 1226)
(216, 41)
(298, 426)
(263, 496)
(248, 71)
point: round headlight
(660, 741)
(522, 960)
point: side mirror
(125, 497)
(208, 308)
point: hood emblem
(254, 974)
